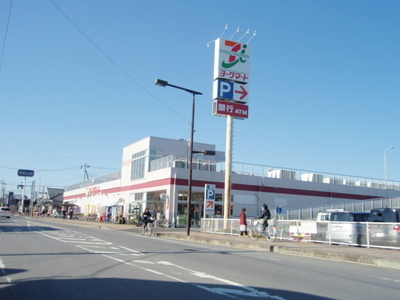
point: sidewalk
(386, 258)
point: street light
(161, 82)
(384, 159)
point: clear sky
(77, 83)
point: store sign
(231, 74)
(209, 199)
(232, 61)
(226, 108)
(229, 90)
(93, 191)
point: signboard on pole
(209, 199)
(26, 173)
(226, 108)
(229, 90)
(232, 61)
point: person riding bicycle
(265, 216)
(146, 217)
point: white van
(348, 227)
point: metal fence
(97, 180)
(310, 213)
(366, 234)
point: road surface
(42, 260)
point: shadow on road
(114, 288)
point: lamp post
(384, 159)
(194, 93)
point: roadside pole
(23, 197)
(228, 171)
(24, 173)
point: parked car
(348, 227)
(385, 227)
(5, 212)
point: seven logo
(237, 54)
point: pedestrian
(243, 223)
(64, 213)
(265, 216)
(146, 218)
(71, 212)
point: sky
(77, 83)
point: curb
(316, 254)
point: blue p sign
(210, 192)
(225, 89)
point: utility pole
(85, 173)
(3, 192)
(23, 196)
(32, 198)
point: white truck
(300, 230)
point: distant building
(155, 171)
(56, 196)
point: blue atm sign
(232, 91)
(26, 173)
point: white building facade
(155, 172)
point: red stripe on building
(238, 187)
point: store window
(135, 209)
(155, 154)
(155, 204)
(196, 208)
(138, 165)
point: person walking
(265, 216)
(146, 217)
(243, 223)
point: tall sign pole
(231, 76)
(228, 171)
(24, 173)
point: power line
(54, 170)
(5, 35)
(115, 64)
(47, 156)
(57, 170)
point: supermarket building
(155, 172)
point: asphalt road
(39, 260)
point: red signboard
(227, 108)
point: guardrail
(366, 234)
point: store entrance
(195, 214)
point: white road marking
(2, 267)
(94, 245)
(386, 279)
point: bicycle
(146, 230)
(257, 231)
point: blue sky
(77, 83)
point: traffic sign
(26, 173)
(229, 90)
(209, 199)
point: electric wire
(5, 35)
(115, 64)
